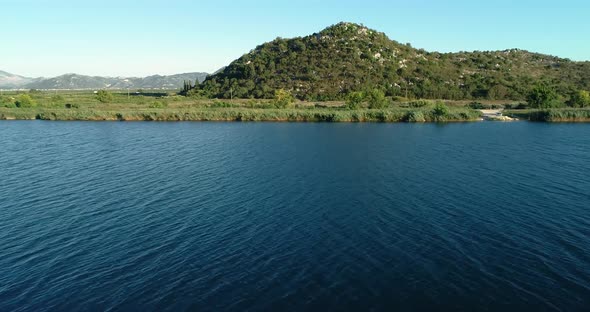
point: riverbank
(169, 106)
(307, 114)
(245, 114)
(551, 115)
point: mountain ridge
(10, 80)
(75, 81)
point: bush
(354, 100)
(283, 98)
(542, 96)
(415, 116)
(440, 111)
(579, 99)
(418, 104)
(476, 105)
(376, 99)
(24, 101)
(197, 94)
(104, 96)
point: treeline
(347, 58)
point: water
(293, 217)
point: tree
(376, 99)
(579, 98)
(541, 96)
(24, 101)
(283, 98)
(497, 92)
(104, 96)
(354, 100)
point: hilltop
(349, 57)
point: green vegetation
(167, 106)
(579, 98)
(347, 58)
(158, 104)
(355, 100)
(243, 114)
(553, 114)
(104, 96)
(420, 103)
(542, 96)
(440, 112)
(376, 99)
(416, 116)
(283, 99)
(24, 101)
(57, 99)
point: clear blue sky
(138, 38)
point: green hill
(349, 57)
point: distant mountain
(348, 57)
(8, 80)
(74, 81)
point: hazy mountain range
(75, 81)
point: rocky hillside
(350, 57)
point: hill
(75, 81)
(9, 81)
(349, 57)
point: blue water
(294, 216)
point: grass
(552, 115)
(239, 114)
(167, 106)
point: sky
(140, 38)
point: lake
(294, 216)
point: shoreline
(288, 115)
(244, 114)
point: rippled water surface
(292, 216)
